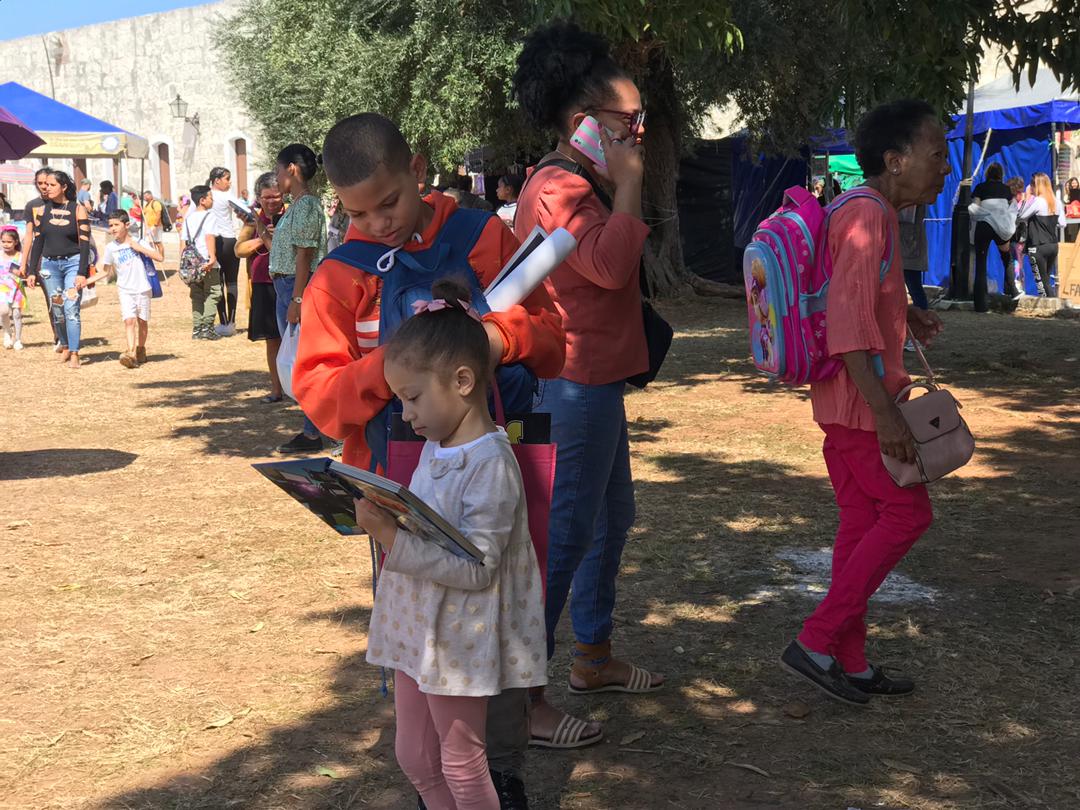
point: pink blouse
(864, 313)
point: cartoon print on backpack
(763, 325)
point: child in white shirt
(123, 256)
(456, 632)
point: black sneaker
(511, 791)
(882, 685)
(301, 444)
(832, 681)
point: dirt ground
(179, 634)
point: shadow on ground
(225, 413)
(61, 462)
(707, 598)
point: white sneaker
(8, 342)
(59, 347)
(18, 346)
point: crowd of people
(392, 321)
(1019, 219)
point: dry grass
(155, 586)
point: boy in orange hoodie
(338, 376)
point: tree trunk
(664, 268)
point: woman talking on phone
(567, 82)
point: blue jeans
(58, 275)
(592, 509)
(283, 288)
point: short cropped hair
(121, 215)
(356, 146)
(198, 194)
(889, 127)
(265, 181)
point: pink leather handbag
(943, 442)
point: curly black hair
(561, 69)
(894, 126)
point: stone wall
(127, 72)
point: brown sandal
(590, 660)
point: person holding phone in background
(567, 81)
(253, 243)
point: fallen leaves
(226, 719)
(238, 596)
(324, 771)
(17, 524)
(797, 710)
(632, 738)
(256, 628)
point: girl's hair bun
(451, 290)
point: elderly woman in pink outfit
(901, 149)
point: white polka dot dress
(455, 627)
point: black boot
(420, 804)
(511, 791)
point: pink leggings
(879, 523)
(440, 746)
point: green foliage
(809, 64)
(441, 70)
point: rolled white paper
(527, 276)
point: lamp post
(178, 107)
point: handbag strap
(922, 358)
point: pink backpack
(786, 269)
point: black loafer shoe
(831, 681)
(301, 444)
(882, 685)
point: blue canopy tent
(1020, 125)
(68, 132)
(1014, 128)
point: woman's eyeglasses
(634, 121)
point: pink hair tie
(439, 304)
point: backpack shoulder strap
(857, 194)
(563, 162)
(462, 230)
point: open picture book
(327, 488)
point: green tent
(846, 170)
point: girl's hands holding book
(376, 522)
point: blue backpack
(410, 279)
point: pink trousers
(440, 745)
(879, 523)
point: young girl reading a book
(455, 632)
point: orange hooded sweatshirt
(338, 377)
